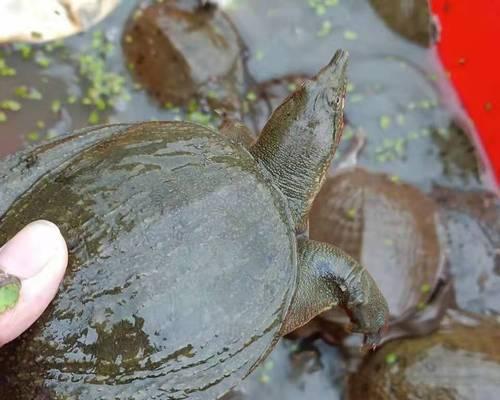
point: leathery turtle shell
(182, 264)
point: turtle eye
(339, 102)
(332, 98)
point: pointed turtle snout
(336, 69)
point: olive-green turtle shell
(182, 264)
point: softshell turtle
(460, 361)
(394, 230)
(472, 228)
(167, 45)
(189, 255)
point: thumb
(36, 258)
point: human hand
(35, 258)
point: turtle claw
(371, 340)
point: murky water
(395, 99)
(394, 96)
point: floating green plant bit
(55, 106)
(259, 55)
(320, 10)
(350, 35)
(10, 105)
(101, 43)
(425, 132)
(251, 96)
(54, 45)
(25, 50)
(413, 135)
(411, 105)
(268, 365)
(10, 289)
(425, 288)
(350, 87)
(320, 6)
(5, 70)
(294, 347)
(72, 99)
(348, 134)
(94, 117)
(356, 98)
(3, 116)
(395, 179)
(264, 378)
(137, 14)
(97, 39)
(400, 119)
(443, 132)
(391, 149)
(212, 94)
(292, 87)
(104, 87)
(385, 122)
(51, 133)
(421, 305)
(399, 147)
(391, 358)
(40, 124)
(25, 92)
(424, 104)
(34, 94)
(33, 136)
(21, 91)
(100, 104)
(42, 60)
(200, 118)
(192, 106)
(326, 29)
(351, 213)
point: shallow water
(395, 99)
(394, 96)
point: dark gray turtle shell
(182, 264)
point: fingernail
(27, 253)
(10, 289)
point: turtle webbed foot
(369, 315)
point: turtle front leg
(10, 288)
(328, 277)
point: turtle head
(299, 140)
(325, 94)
